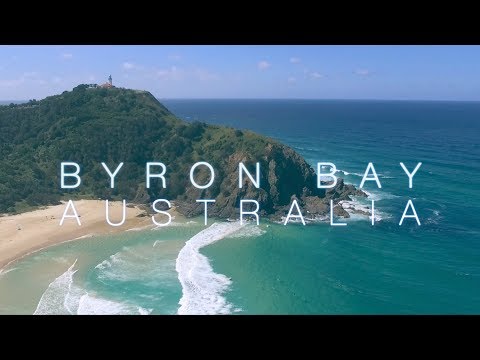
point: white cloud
(174, 57)
(91, 78)
(11, 82)
(56, 80)
(172, 73)
(263, 65)
(291, 80)
(29, 76)
(295, 60)
(67, 56)
(129, 66)
(362, 72)
(316, 75)
(205, 75)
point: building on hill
(108, 84)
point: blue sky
(323, 72)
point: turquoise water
(130, 273)
(295, 269)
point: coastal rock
(316, 206)
(343, 191)
(339, 211)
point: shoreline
(25, 233)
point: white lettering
(414, 215)
(333, 170)
(410, 174)
(161, 212)
(75, 214)
(242, 168)
(299, 215)
(205, 202)
(107, 214)
(112, 176)
(249, 212)
(161, 175)
(212, 175)
(75, 175)
(331, 216)
(375, 176)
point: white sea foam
(248, 231)
(175, 223)
(115, 258)
(143, 311)
(92, 305)
(299, 221)
(137, 228)
(435, 218)
(84, 236)
(379, 196)
(158, 242)
(354, 208)
(382, 176)
(202, 288)
(3, 271)
(349, 173)
(132, 264)
(62, 259)
(113, 268)
(54, 298)
(63, 297)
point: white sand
(24, 233)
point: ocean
(226, 268)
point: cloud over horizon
(263, 65)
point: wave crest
(62, 297)
(202, 288)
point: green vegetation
(89, 126)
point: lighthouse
(108, 84)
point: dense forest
(116, 125)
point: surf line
(160, 205)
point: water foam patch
(377, 196)
(62, 297)
(137, 265)
(202, 288)
(6, 271)
(92, 305)
(248, 231)
(358, 211)
(53, 299)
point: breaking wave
(202, 288)
(62, 297)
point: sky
(308, 72)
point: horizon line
(319, 99)
(6, 101)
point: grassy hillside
(89, 126)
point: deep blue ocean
(433, 268)
(386, 268)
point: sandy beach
(27, 232)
